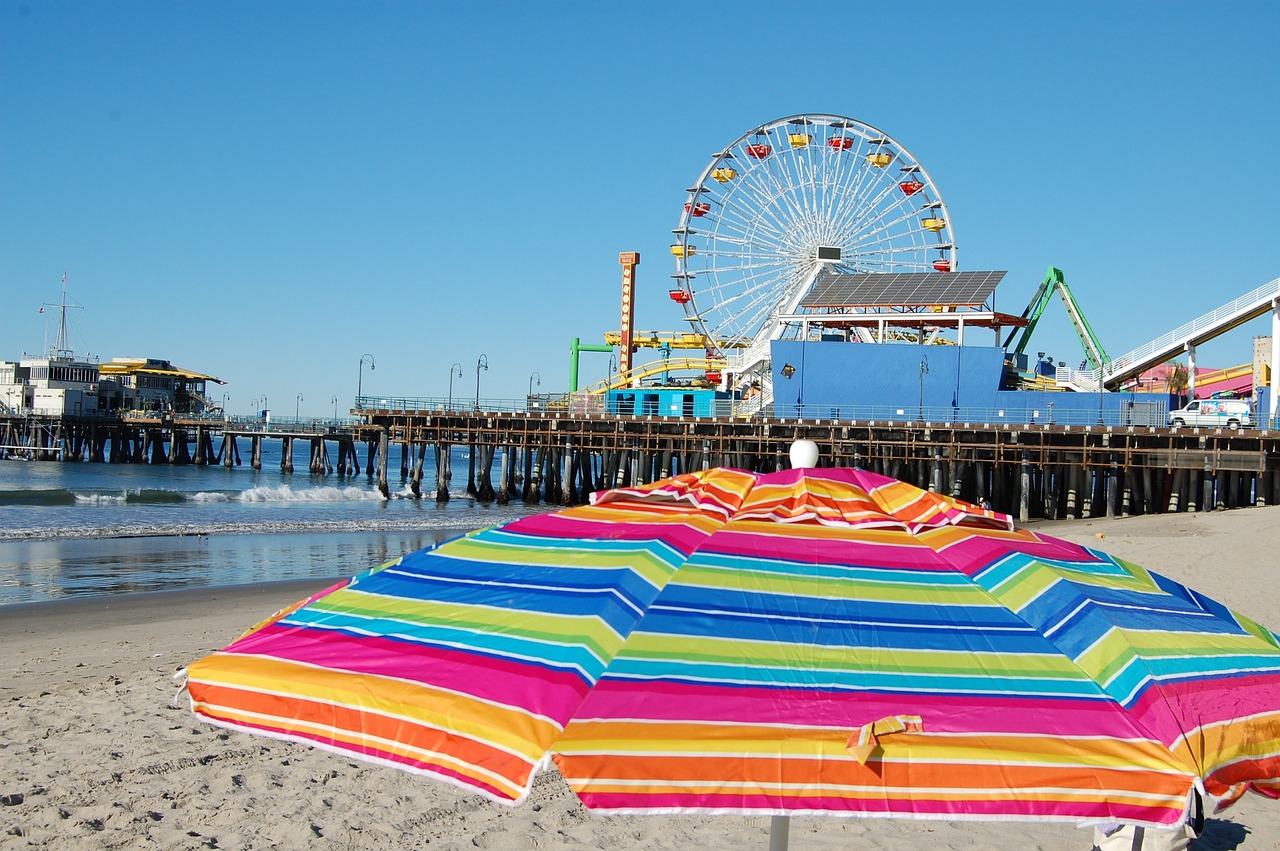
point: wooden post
(382, 465)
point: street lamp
(532, 379)
(924, 370)
(613, 365)
(334, 400)
(297, 408)
(1102, 388)
(225, 397)
(360, 380)
(481, 363)
(456, 369)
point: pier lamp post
(360, 380)
(456, 369)
(334, 400)
(481, 363)
(613, 365)
(1102, 388)
(535, 378)
(296, 408)
(924, 370)
(225, 397)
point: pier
(1027, 469)
(549, 453)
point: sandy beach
(93, 756)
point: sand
(92, 755)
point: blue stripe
(841, 609)
(600, 603)
(553, 656)
(443, 563)
(858, 631)
(860, 680)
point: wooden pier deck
(1028, 470)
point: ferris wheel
(788, 200)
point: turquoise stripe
(562, 655)
(860, 680)
(1134, 677)
(1000, 571)
(501, 537)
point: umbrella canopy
(810, 641)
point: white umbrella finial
(804, 453)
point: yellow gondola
(879, 159)
(724, 174)
(934, 225)
(799, 140)
(682, 251)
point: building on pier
(152, 384)
(63, 384)
(58, 384)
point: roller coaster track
(1231, 315)
(633, 376)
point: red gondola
(910, 187)
(759, 151)
(679, 296)
(713, 377)
(942, 265)
(840, 143)
(699, 209)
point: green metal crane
(1053, 282)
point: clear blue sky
(265, 191)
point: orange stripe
(261, 678)
(597, 772)
(362, 731)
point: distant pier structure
(1025, 469)
(1028, 469)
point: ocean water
(79, 529)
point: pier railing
(1115, 412)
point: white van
(1214, 413)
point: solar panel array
(894, 289)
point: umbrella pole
(779, 832)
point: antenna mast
(62, 345)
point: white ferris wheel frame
(747, 241)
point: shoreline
(92, 754)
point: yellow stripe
(504, 727)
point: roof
(143, 366)
(898, 289)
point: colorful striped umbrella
(814, 641)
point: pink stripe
(553, 693)
(941, 713)
(681, 536)
(1074, 809)
(789, 541)
(975, 553)
(1171, 709)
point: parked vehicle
(1214, 413)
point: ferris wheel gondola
(789, 199)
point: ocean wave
(285, 493)
(37, 496)
(158, 530)
(138, 496)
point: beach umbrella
(812, 641)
